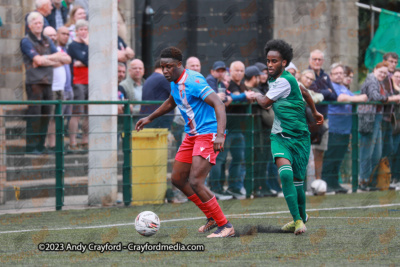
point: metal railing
(127, 150)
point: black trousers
(38, 116)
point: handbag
(316, 131)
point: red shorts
(198, 145)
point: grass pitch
(353, 229)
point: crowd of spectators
(55, 53)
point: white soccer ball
(147, 223)
(319, 187)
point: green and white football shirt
(289, 108)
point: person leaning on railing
(369, 122)
(395, 163)
(340, 125)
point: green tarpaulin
(386, 39)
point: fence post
(59, 120)
(354, 149)
(127, 168)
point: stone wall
(13, 12)
(328, 25)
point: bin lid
(150, 132)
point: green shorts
(295, 149)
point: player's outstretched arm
(263, 100)
(219, 107)
(319, 118)
(166, 107)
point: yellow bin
(149, 166)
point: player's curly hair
(282, 47)
(172, 52)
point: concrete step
(15, 129)
(45, 188)
(11, 112)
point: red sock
(216, 212)
(196, 200)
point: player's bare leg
(180, 179)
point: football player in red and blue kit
(205, 118)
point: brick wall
(328, 25)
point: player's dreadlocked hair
(171, 52)
(282, 47)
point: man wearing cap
(263, 86)
(216, 78)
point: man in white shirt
(59, 81)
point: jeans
(333, 157)
(370, 149)
(234, 143)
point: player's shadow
(248, 230)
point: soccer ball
(318, 187)
(147, 223)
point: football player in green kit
(290, 138)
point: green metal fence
(250, 131)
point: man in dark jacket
(39, 56)
(58, 16)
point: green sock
(301, 199)
(289, 190)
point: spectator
(121, 96)
(125, 53)
(156, 88)
(260, 153)
(348, 76)
(263, 86)
(121, 90)
(215, 79)
(39, 55)
(235, 142)
(227, 78)
(62, 40)
(121, 72)
(44, 7)
(307, 77)
(69, 4)
(58, 15)
(395, 164)
(340, 125)
(133, 85)
(77, 13)
(59, 81)
(84, 4)
(122, 29)
(79, 52)
(387, 145)
(370, 120)
(323, 85)
(291, 68)
(193, 63)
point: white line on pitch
(198, 218)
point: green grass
(366, 236)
